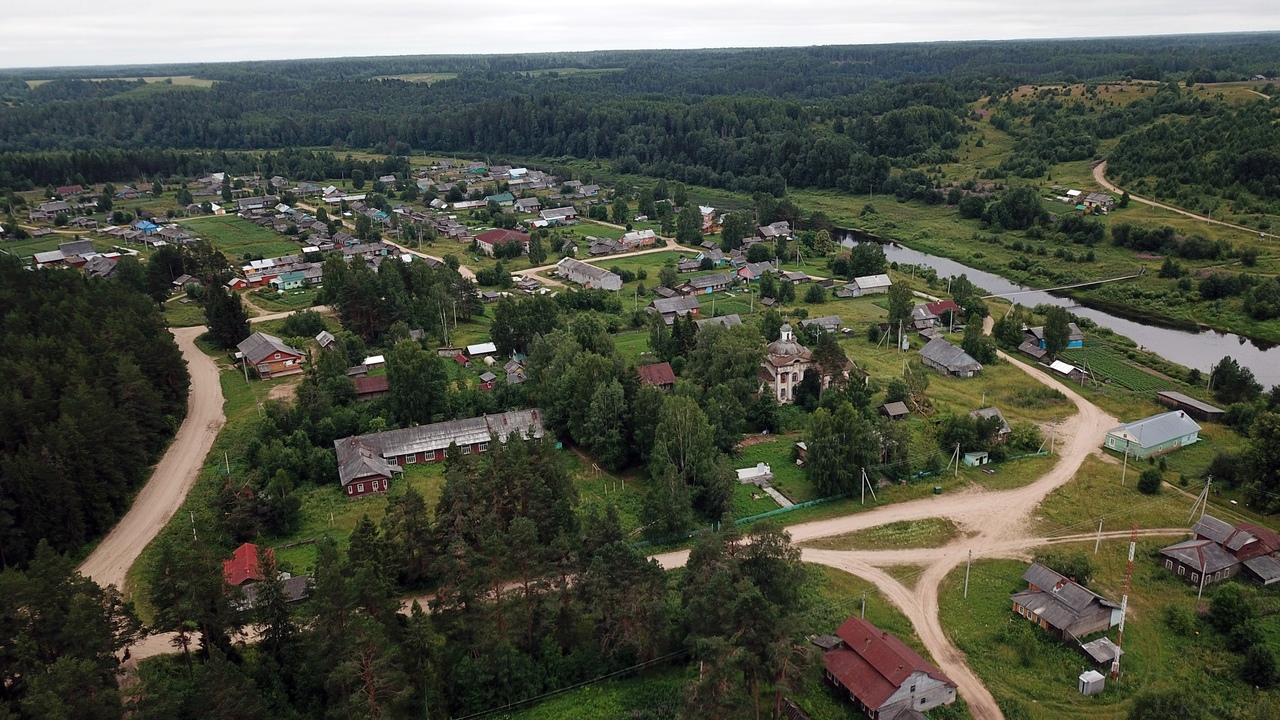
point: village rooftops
(1231, 538)
(243, 566)
(438, 436)
(679, 305)
(1157, 429)
(1056, 598)
(725, 320)
(1206, 556)
(873, 664)
(358, 459)
(945, 355)
(871, 282)
(260, 346)
(657, 375)
(992, 412)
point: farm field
(1106, 363)
(237, 237)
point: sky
(115, 32)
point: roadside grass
(1096, 492)
(599, 489)
(908, 575)
(180, 314)
(237, 237)
(1025, 667)
(927, 533)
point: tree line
(95, 388)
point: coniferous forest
(94, 388)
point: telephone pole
(966, 574)
(1098, 540)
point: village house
(528, 205)
(588, 276)
(676, 307)
(795, 277)
(866, 285)
(727, 321)
(1156, 435)
(427, 443)
(688, 265)
(243, 566)
(270, 356)
(883, 677)
(1074, 340)
(773, 231)
(784, 365)
(1062, 606)
(639, 238)
(949, 359)
(489, 240)
(361, 469)
(826, 323)
(369, 388)
(707, 284)
(754, 271)
(560, 216)
(987, 413)
(659, 375)
(1220, 551)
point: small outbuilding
(1195, 408)
(894, 410)
(1092, 682)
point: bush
(307, 323)
(1180, 619)
(1258, 666)
(1150, 481)
(1071, 564)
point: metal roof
(1205, 555)
(949, 356)
(258, 346)
(872, 281)
(1190, 401)
(876, 664)
(1267, 568)
(438, 436)
(1157, 429)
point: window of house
(411, 459)
(350, 489)
(360, 487)
(1182, 571)
(484, 447)
(1195, 577)
(466, 449)
(1168, 564)
(913, 688)
(277, 356)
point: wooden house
(881, 676)
(1062, 606)
(270, 356)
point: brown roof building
(659, 375)
(883, 677)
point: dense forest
(94, 389)
(751, 120)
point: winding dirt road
(176, 472)
(1100, 176)
(174, 475)
(999, 522)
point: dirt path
(174, 475)
(1000, 520)
(1100, 176)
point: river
(1202, 349)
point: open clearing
(189, 80)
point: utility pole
(966, 574)
(1098, 541)
(864, 605)
(193, 526)
(1125, 470)
(957, 460)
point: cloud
(112, 32)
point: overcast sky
(112, 32)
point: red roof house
(490, 239)
(883, 676)
(242, 566)
(937, 308)
(659, 375)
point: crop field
(238, 237)
(1107, 363)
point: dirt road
(174, 475)
(1100, 176)
(999, 522)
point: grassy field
(274, 301)
(237, 237)
(1027, 668)
(928, 533)
(180, 314)
(186, 80)
(1096, 492)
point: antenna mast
(1124, 603)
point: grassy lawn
(928, 533)
(1096, 492)
(237, 237)
(276, 301)
(180, 314)
(326, 512)
(632, 344)
(787, 478)
(1025, 666)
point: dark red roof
(461, 359)
(375, 384)
(498, 237)
(242, 566)
(1268, 541)
(937, 308)
(875, 664)
(659, 374)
